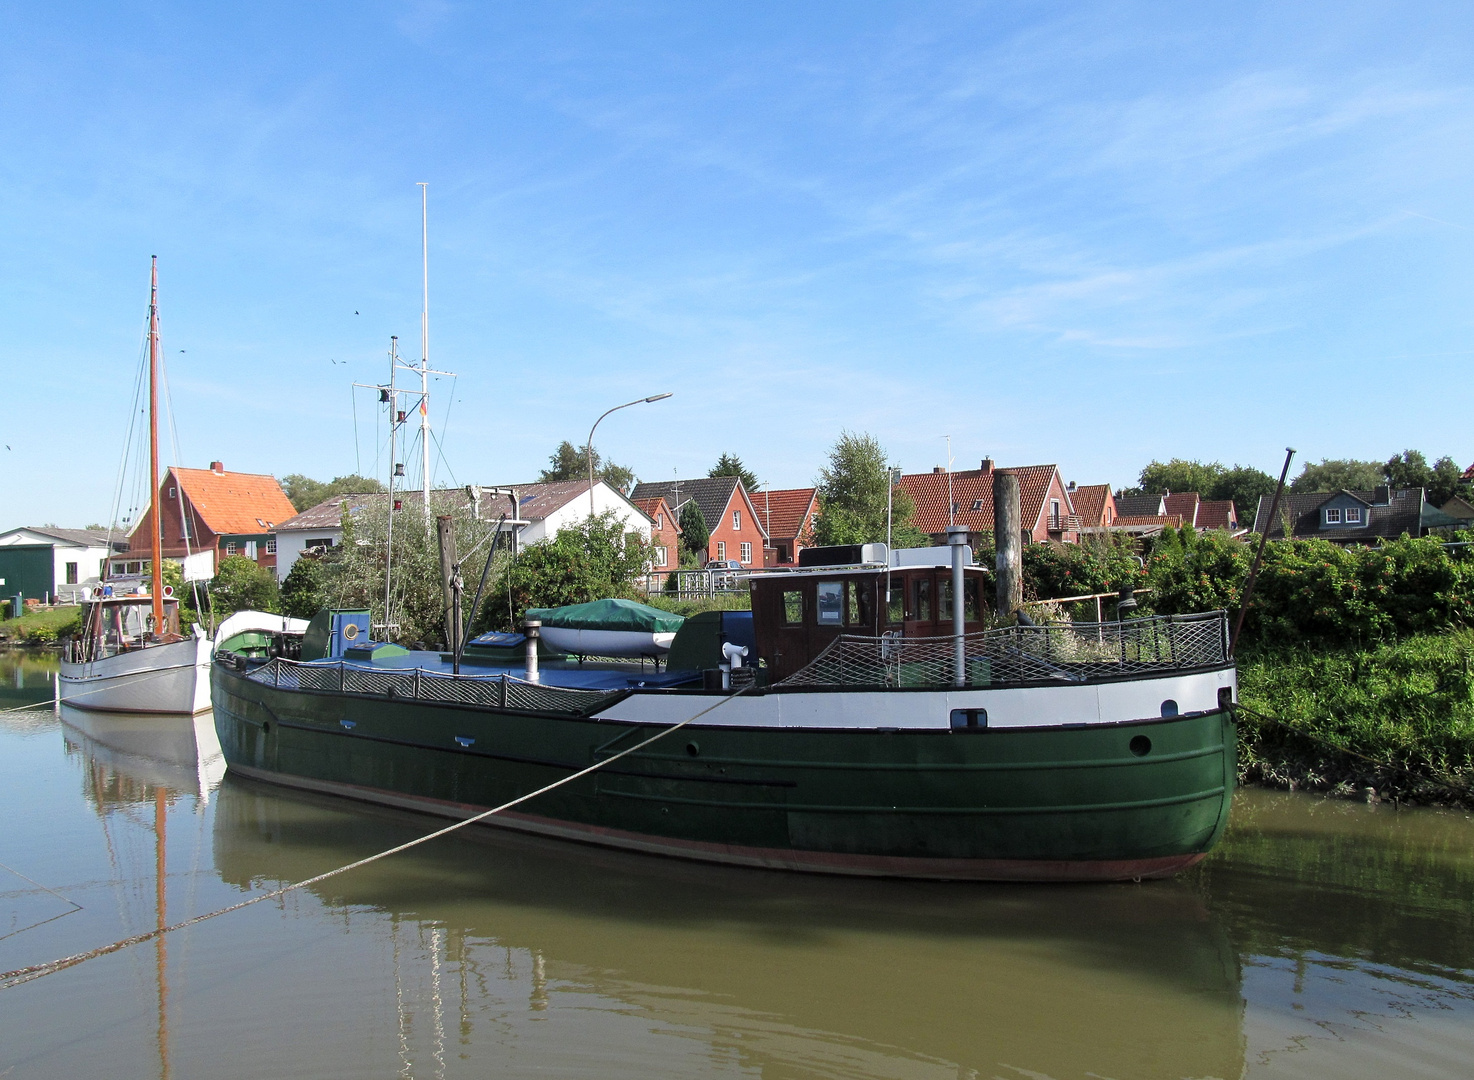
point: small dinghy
(608, 628)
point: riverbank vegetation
(40, 627)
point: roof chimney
(987, 464)
(217, 467)
(938, 469)
(1072, 485)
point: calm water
(1323, 939)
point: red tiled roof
(1175, 520)
(784, 513)
(972, 491)
(651, 508)
(1184, 504)
(1217, 514)
(233, 502)
(1090, 502)
(1468, 473)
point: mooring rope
(1330, 744)
(9, 979)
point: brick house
(665, 534)
(1094, 504)
(736, 531)
(788, 518)
(1045, 507)
(206, 515)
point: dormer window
(1333, 517)
(1353, 515)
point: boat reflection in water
(137, 761)
(746, 970)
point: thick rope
(36, 971)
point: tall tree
(1332, 474)
(570, 462)
(852, 496)
(1180, 475)
(1447, 481)
(303, 492)
(1408, 469)
(731, 465)
(1244, 484)
(695, 534)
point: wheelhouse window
(857, 605)
(1353, 515)
(793, 607)
(970, 590)
(944, 600)
(1333, 517)
(895, 602)
(922, 606)
(830, 606)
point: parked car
(723, 572)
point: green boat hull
(1090, 802)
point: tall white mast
(425, 346)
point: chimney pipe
(217, 467)
(937, 469)
(987, 464)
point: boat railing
(1024, 655)
(502, 691)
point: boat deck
(607, 675)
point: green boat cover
(609, 615)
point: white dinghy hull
(607, 642)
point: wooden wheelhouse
(798, 613)
(119, 624)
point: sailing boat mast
(425, 347)
(157, 587)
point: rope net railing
(487, 691)
(1064, 653)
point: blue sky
(1091, 234)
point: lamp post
(589, 447)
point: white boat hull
(172, 678)
(606, 642)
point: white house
(58, 565)
(542, 509)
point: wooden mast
(157, 586)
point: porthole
(1141, 746)
(969, 719)
(1169, 708)
(693, 749)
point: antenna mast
(425, 345)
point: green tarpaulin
(609, 615)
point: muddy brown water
(1322, 939)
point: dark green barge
(1084, 752)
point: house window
(1054, 512)
(721, 549)
(793, 608)
(736, 520)
(71, 573)
(230, 547)
(977, 504)
(1333, 517)
(831, 603)
(250, 549)
(173, 493)
(783, 555)
(271, 546)
(660, 521)
(746, 552)
(660, 555)
(320, 543)
(1353, 515)
(185, 532)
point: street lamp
(589, 447)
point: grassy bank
(1409, 704)
(38, 627)
(725, 602)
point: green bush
(241, 585)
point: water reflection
(27, 677)
(785, 970)
(1323, 938)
